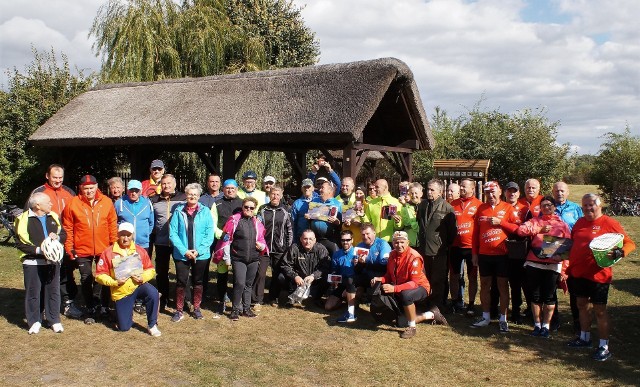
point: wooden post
(228, 163)
(349, 166)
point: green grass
(287, 347)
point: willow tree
(148, 40)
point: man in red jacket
(90, 222)
(406, 282)
(494, 220)
(588, 281)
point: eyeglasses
(547, 205)
(157, 169)
(248, 208)
(345, 240)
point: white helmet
(52, 249)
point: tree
(580, 169)
(616, 168)
(520, 146)
(32, 97)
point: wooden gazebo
(354, 108)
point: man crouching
(406, 283)
(126, 268)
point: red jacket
(582, 264)
(533, 207)
(59, 197)
(89, 229)
(489, 239)
(465, 210)
(533, 227)
(406, 271)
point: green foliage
(617, 166)
(32, 97)
(520, 146)
(148, 40)
(580, 169)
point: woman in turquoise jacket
(191, 231)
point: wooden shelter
(354, 108)
(454, 170)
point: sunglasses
(345, 240)
(157, 169)
(248, 208)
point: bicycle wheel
(5, 233)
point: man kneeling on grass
(406, 282)
(127, 269)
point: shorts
(596, 292)
(493, 265)
(347, 284)
(542, 285)
(411, 296)
(457, 256)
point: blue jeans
(124, 306)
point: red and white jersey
(465, 210)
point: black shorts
(493, 265)
(457, 256)
(596, 292)
(542, 285)
(347, 284)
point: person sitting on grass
(342, 264)
(406, 282)
(127, 287)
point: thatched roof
(375, 102)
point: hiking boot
(601, 354)
(346, 318)
(249, 313)
(503, 326)
(481, 323)
(197, 314)
(235, 315)
(154, 331)
(408, 333)
(177, 316)
(438, 318)
(544, 333)
(536, 332)
(579, 343)
(71, 311)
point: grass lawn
(287, 347)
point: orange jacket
(489, 239)
(59, 197)
(533, 207)
(89, 229)
(406, 271)
(465, 210)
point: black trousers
(42, 287)
(436, 269)
(243, 276)
(257, 295)
(93, 293)
(163, 259)
(68, 286)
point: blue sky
(577, 59)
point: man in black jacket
(305, 262)
(437, 223)
(279, 236)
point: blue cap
(134, 184)
(249, 175)
(232, 182)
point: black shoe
(235, 315)
(249, 313)
(516, 318)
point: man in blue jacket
(137, 210)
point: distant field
(295, 347)
(577, 191)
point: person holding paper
(127, 269)
(542, 271)
(342, 263)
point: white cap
(269, 178)
(126, 226)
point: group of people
(338, 242)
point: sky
(579, 60)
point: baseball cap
(229, 182)
(157, 164)
(88, 179)
(249, 175)
(512, 185)
(134, 184)
(491, 185)
(321, 180)
(126, 226)
(269, 179)
(400, 235)
(307, 183)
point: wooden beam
(208, 162)
(242, 157)
(361, 159)
(229, 163)
(382, 148)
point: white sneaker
(35, 328)
(481, 323)
(154, 331)
(57, 328)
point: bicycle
(8, 213)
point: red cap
(491, 186)
(88, 179)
